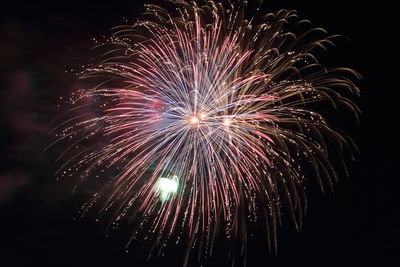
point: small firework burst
(202, 121)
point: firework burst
(203, 122)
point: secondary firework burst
(203, 122)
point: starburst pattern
(205, 118)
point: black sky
(39, 41)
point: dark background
(39, 41)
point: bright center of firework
(227, 121)
(194, 120)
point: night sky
(40, 41)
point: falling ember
(219, 99)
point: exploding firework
(204, 120)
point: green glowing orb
(167, 186)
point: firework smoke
(202, 122)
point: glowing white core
(166, 185)
(194, 120)
(227, 121)
(203, 116)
